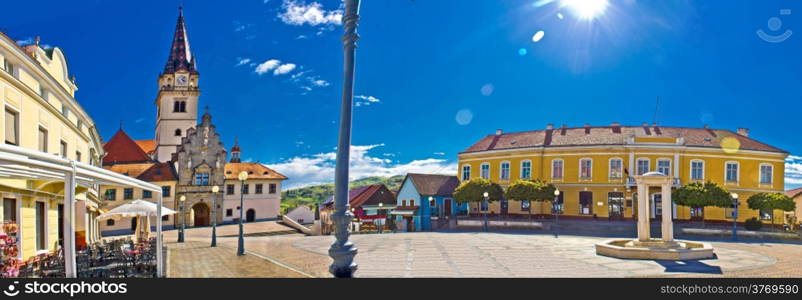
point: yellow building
(593, 167)
(41, 114)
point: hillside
(311, 195)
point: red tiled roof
(370, 194)
(122, 149)
(793, 193)
(159, 172)
(613, 135)
(255, 171)
(433, 184)
(147, 146)
(130, 170)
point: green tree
(530, 190)
(771, 202)
(472, 191)
(700, 195)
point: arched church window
(178, 132)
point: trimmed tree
(701, 195)
(472, 191)
(530, 190)
(771, 202)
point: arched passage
(200, 212)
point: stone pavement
(197, 259)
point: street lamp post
(381, 226)
(486, 206)
(342, 251)
(734, 216)
(183, 219)
(556, 211)
(241, 242)
(215, 189)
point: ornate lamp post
(183, 219)
(734, 216)
(215, 189)
(558, 210)
(342, 251)
(381, 226)
(241, 243)
(486, 206)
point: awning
(403, 212)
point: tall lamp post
(241, 243)
(557, 209)
(381, 226)
(183, 219)
(485, 205)
(734, 216)
(215, 189)
(342, 251)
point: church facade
(187, 158)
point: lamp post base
(342, 251)
(214, 236)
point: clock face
(181, 80)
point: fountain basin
(655, 249)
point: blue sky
(433, 76)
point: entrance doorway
(504, 206)
(616, 205)
(447, 207)
(200, 212)
(250, 215)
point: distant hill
(311, 195)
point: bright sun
(586, 9)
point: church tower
(177, 101)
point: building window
(466, 172)
(616, 168)
(40, 226)
(272, 188)
(505, 171)
(664, 166)
(180, 106)
(42, 140)
(557, 169)
(12, 128)
(80, 125)
(202, 179)
(147, 194)
(166, 218)
(78, 156)
(65, 111)
(178, 132)
(525, 205)
(258, 188)
(526, 169)
(111, 194)
(585, 203)
(557, 207)
(433, 203)
(643, 166)
(731, 174)
(697, 212)
(63, 149)
(229, 212)
(484, 171)
(128, 193)
(245, 189)
(166, 191)
(109, 222)
(697, 170)
(585, 168)
(766, 172)
(10, 210)
(766, 214)
(229, 189)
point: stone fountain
(645, 247)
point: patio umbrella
(140, 209)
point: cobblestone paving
(519, 255)
(197, 259)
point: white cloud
(793, 170)
(242, 61)
(299, 13)
(362, 100)
(284, 69)
(439, 153)
(267, 66)
(319, 168)
(320, 82)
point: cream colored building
(41, 114)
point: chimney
(743, 131)
(587, 128)
(549, 126)
(498, 132)
(563, 128)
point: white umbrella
(136, 208)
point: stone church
(187, 158)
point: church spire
(180, 58)
(235, 152)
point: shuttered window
(12, 128)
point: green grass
(316, 194)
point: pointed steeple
(180, 58)
(235, 152)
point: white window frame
(18, 128)
(580, 168)
(657, 165)
(648, 165)
(501, 170)
(462, 172)
(45, 229)
(610, 168)
(690, 174)
(760, 174)
(482, 170)
(522, 169)
(562, 168)
(737, 172)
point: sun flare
(586, 9)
